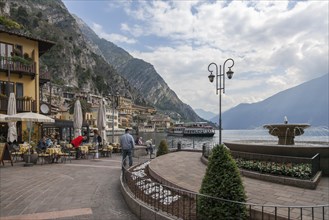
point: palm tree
(85, 107)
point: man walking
(127, 145)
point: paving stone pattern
(81, 190)
(185, 169)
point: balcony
(18, 65)
(44, 77)
(22, 105)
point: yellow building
(19, 72)
(125, 112)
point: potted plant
(33, 153)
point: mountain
(305, 103)
(89, 63)
(71, 60)
(141, 75)
(205, 114)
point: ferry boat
(197, 129)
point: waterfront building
(20, 73)
(125, 111)
(161, 122)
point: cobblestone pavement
(80, 190)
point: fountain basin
(305, 149)
(286, 132)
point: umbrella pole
(28, 164)
(96, 156)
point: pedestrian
(76, 142)
(149, 146)
(127, 145)
(139, 141)
(95, 139)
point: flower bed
(300, 171)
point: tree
(163, 148)
(85, 107)
(222, 180)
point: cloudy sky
(275, 44)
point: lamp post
(220, 86)
(114, 100)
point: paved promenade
(89, 189)
(81, 190)
(184, 169)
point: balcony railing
(22, 105)
(44, 77)
(17, 66)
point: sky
(275, 45)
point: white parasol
(3, 118)
(77, 118)
(101, 122)
(11, 110)
(29, 117)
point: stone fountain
(286, 132)
(286, 145)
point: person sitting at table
(76, 142)
(54, 140)
(42, 145)
(49, 143)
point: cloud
(115, 38)
(275, 44)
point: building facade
(20, 73)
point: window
(19, 90)
(5, 51)
(4, 88)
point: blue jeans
(126, 153)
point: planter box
(302, 183)
(33, 158)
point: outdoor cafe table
(24, 148)
(53, 150)
(84, 149)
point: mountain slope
(71, 60)
(205, 114)
(306, 103)
(141, 75)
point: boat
(193, 129)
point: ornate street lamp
(220, 85)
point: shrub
(222, 180)
(163, 148)
(9, 23)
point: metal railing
(22, 105)
(182, 204)
(9, 63)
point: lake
(311, 134)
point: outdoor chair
(43, 156)
(15, 153)
(92, 151)
(71, 150)
(65, 154)
(107, 151)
